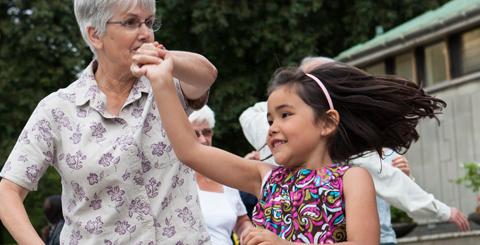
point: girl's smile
(294, 136)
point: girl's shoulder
(356, 174)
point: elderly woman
(121, 181)
(221, 205)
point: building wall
(436, 158)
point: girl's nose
(272, 129)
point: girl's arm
(219, 165)
(13, 214)
(363, 226)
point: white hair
(309, 59)
(203, 115)
(96, 13)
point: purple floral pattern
(96, 202)
(95, 226)
(112, 168)
(123, 227)
(160, 148)
(75, 161)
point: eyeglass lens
(206, 132)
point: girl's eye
(285, 114)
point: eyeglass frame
(206, 132)
(139, 23)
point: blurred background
(433, 42)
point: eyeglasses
(135, 23)
(263, 146)
(206, 132)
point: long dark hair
(375, 111)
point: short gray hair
(309, 59)
(203, 115)
(96, 13)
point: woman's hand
(459, 219)
(254, 155)
(261, 236)
(401, 163)
(153, 61)
(148, 54)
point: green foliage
(471, 179)
(398, 216)
(41, 50)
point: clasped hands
(258, 235)
(153, 61)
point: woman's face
(119, 43)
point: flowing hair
(375, 111)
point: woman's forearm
(195, 72)
(243, 224)
(13, 214)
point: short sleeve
(234, 196)
(190, 105)
(33, 151)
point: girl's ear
(94, 38)
(331, 123)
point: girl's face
(294, 137)
(120, 42)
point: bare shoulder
(355, 176)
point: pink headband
(324, 89)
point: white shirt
(121, 181)
(387, 234)
(255, 128)
(221, 211)
(391, 184)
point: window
(470, 51)
(436, 63)
(376, 69)
(405, 66)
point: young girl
(318, 121)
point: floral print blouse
(121, 181)
(304, 205)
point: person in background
(312, 196)
(391, 185)
(222, 207)
(52, 207)
(121, 181)
(394, 186)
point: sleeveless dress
(303, 205)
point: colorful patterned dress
(304, 205)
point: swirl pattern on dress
(303, 205)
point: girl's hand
(147, 62)
(147, 54)
(262, 236)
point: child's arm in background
(219, 165)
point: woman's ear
(94, 38)
(330, 124)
